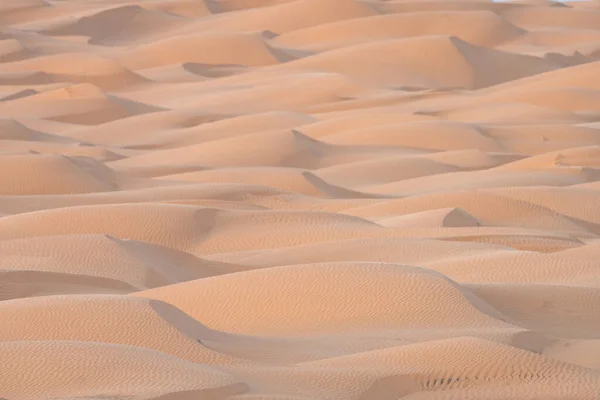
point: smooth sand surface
(299, 200)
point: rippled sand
(299, 199)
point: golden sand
(299, 200)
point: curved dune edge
(299, 200)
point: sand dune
(447, 135)
(285, 16)
(55, 174)
(408, 63)
(70, 149)
(82, 103)
(388, 169)
(184, 8)
(222, 196)
(545, 17)
(397, 250)
(408, 6)
(534, 311)
(190, 228)
(294, 150)
(165, 129)
(137, 264)
(478, 27)
(14, 130)
(444, 217)
(335, 285)
(510, 364)
(127, 23)
(299, 199)
(113, 370)
(250, 49)
(287, 179)
(75, 68)
(132, 321)
(487, 206)
(11, 50)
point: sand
(299, 200)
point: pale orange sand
(299, 200)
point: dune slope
(299, 200)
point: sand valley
(299, 200)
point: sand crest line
(299, 199)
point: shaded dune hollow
(299, 200)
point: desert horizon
(299, 200)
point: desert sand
(299, 200)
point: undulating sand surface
(299, 200)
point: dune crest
(299, 200)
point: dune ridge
(299, 200)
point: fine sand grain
(299, 200)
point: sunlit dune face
(299, 199)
